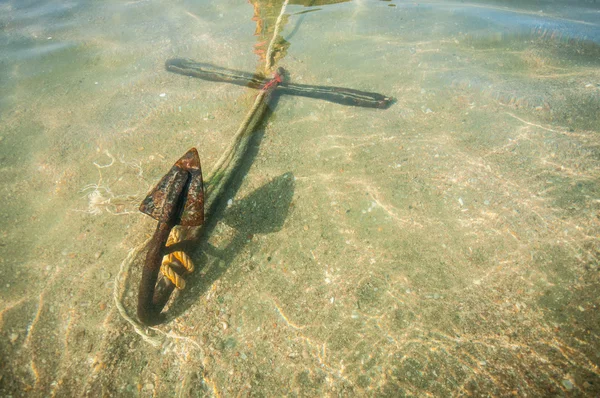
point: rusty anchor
(177, 199)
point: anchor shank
(148, 310)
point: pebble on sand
(567, 384)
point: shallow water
(445, 246)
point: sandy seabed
(445, 246)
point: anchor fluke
(178, 198)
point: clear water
(445, 246)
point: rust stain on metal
(179, 195)
(177, 199)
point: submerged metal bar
(338, 95)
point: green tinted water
(445, 246)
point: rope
(275, 33)
(226, 164)
(167, 270)
(175, 259)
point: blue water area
(580, 24)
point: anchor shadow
(261, 212)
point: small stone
(568, 384)
(105, 275)
(148, 386)
(13, 337)
(97, 255)
(306, 227)
(102, 306)
(162, 95)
